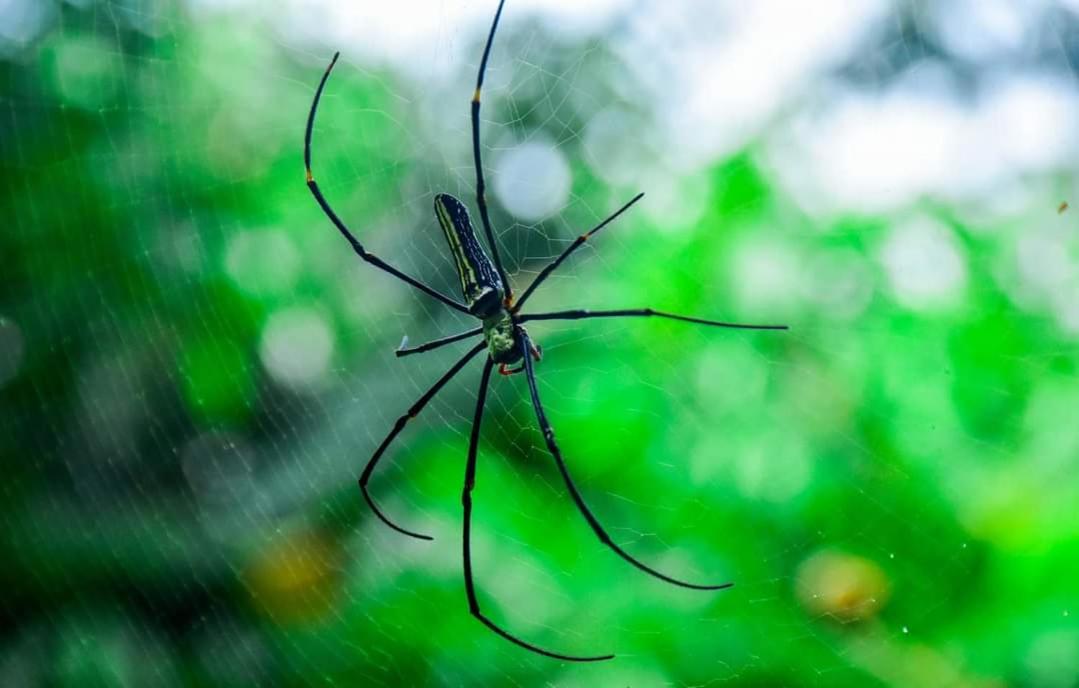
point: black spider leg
(582, 314)
(466, 501)
(436, 343)
(324, 204)
(398, 426)
(552, 446)
(481, 186)
(553, 265)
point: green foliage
(891, 488)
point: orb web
(194, 367)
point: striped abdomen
(480, 285)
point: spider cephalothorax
(503, 338)
(488, 296)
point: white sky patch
(428, 40)
(924, 264)
(719, 81)
(984, 29)
(717, 72)
(532, 180)
(866, 153)
(1032, 118)
(297, 347)
(878, 153)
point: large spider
(488, 296)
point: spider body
(481, 285)
(488, 296)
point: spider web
(194, 367)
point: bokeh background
(194, 367)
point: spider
(488, 296)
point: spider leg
(436, 343)
(481, 186)
(504, 369)
(398, 426)
(325, 205)
(552, 446)
(581, 314)
(553, 265)
(466, 501)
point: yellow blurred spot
(844, 586)
(476, 96)
(310, 177)
(294, 577)
(1063, 207)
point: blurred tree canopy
(194, 367)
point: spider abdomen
(480, 284)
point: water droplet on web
(906, 630)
